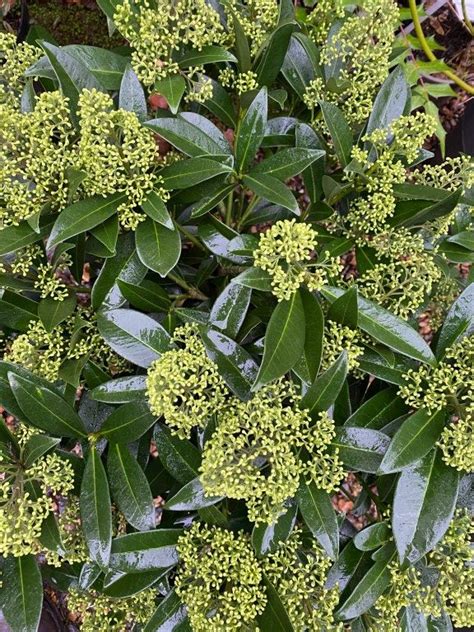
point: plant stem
(194, 240)
(467, 21)
(192, 291)
(429, 53)
(228, 213)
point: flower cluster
(25, 501)
(361, 47)
(100, 613)
(184, 385)
(158, 30)
(444, 385)
(241, 82)
(257, 18)
(370, 213)
(43, 352)
(457, 441)
(116, 137)
(34, 158)
(339, 338)
(254, 453)
(15, 58)
(321, 18)
(219, 579)
(286, 252)
(299, 574)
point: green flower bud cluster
(362, 46)
(22, 509)
(258, 19)
(184, 385)
(299, 575)
(116, 137)
(254, 453)
(286, 251)
(241, 82)
(15, 58)
(43, 352)
(457, 441)
(70, 530)
(100, 613)
(339, 338)
(444, 385)
(321, 18)
(454, 560)
(219, 579)
(158, 29)
(370, 213)
(34, 158)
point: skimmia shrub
(238, 327)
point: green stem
(467, 21)
(192, 292)
(249, 209)
(190, 237)
(429, 53)
(228, 212)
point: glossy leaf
(172, 88)
(390, 102)
(251, 130)
(284, 340)
(236, 366)
(187, 137)
(96, 510)
(134, 336)
(344, 310)
(372, 537)
(265, 538)
(128, 422)
(415, 438)
(187, 173)
(367, 591)
(326, 387)
(459, 321)
(378, 411)
(158, 247)
(46, 409)
(52, 312)
(151, 550)
(271, 189)
(308, 366)
(387, 328)
(121, 390)
(130, 488)
(230, 309)
(169, 615)
(287, 163)
(271, 59)
(361, 449)
(339, 130)
(319, 516)
(275, 617)
(131, 95)
(156, 210)
(36, 446)
(21, 593)
(423, 506)
(82, 216)
(190, 497)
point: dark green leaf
(423, 506)
(413, 440)
(151, 550)
(21, 593)
(158, 247)
(210, 202)
(189, 138)
(230, 309)
(273, 190)
(190, 497)
(131, 95)
(130, 488)
(207, 55)
(172, 88)
(265, 538)
(148, 296)
(256, 279)
(339, 130)
(459, 321)
(235, 364)
(378, 411)
(45, 409)
(16, 311)
(187, 173)
(156, 209)
(350, 565)
(387, 328)
(300, 65)
(367, 591)
(96, 510)
(169, 615)
(344, 310)
(271, 59)
(52, 312)
(284, 340)
(119, 585)
(122, 390)
(250, 131)
(107, 233)
(372, 537)
(82, 216)
(16, 237)
(287, 163)
(308, 366)
(361, 449)
(390, 101)
(326, 387)
(134, 336)
(128, 422)
(179, 456)
(275, 617)
(319, 515)
(36, 446)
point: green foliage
(211, 317)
